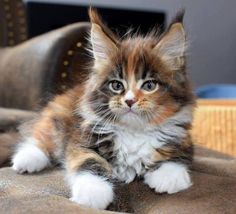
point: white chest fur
(134, 150)
(134, 147)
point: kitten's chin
(133, 120)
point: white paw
(170, 177)
(29, 158)
(91, 190)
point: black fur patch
(94, 166)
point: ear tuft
(94, 16)
(102, 38)
(171, 47)
(179, 17)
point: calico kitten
(130, 118)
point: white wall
(211, 27)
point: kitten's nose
(130, 102)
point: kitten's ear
(172, 46)
(103, 41)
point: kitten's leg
(89, 176)
(172, 174)
(32, 154)
(46, 138)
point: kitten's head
(137, 78)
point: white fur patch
(133, 149)
(170, 177)
(29, 158)
(91, 190)
(135, 142)
(129, 95)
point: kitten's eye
(116, 86)
(149, 85)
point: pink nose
(130, 102)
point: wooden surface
(214, 125)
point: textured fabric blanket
(213, 191)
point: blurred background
(211, 26)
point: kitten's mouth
(130, 111)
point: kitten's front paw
(91, 190)
(29, 158)
(170, 177)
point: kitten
(130, 118)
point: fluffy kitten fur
(130, 118)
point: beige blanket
(213, 191)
